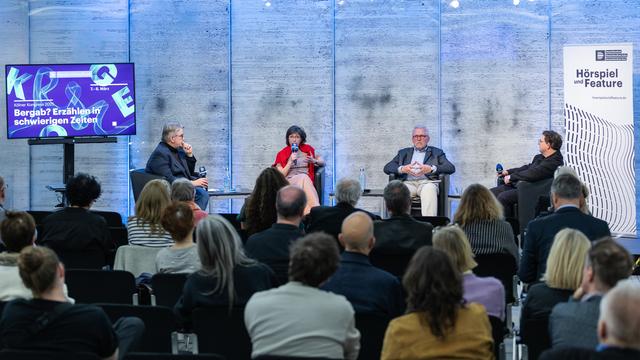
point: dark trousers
(129, 331)
(202, 198)
(508, 196)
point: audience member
(174, 159)
(562, 277)
(574, 323)
(368, 289)
(74, 229)
(183, 190)
(329, 218)
(566, 192)
(259, 210)
(541, 167)
(49, 323)
(479, 214)
(144, 228)
(227, 276)
(400, 231)
(487, 291)
(438, 324)
(182, 256)
(298, 319)
(618, 328)
(271, 246)
(18, 231)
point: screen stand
(68, 167)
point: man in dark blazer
(566, 192)
(173, 158)
(618, 328)
(271, 246)
(417, 166)
(541, 167)
(329, 218)
(368, 289)
(574, 323)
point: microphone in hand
(294, 150)
(499, 170)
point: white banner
(598, 113)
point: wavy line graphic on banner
(602, 154)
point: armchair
(443, 195)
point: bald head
(357, 232)
(290, 202)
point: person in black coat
(566, 192)
(173, 158)
(329, 218)
(541, 167)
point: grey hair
(618, 309)
(182, 190)
(348, 190)
(169, 130)
(220, 251)
(397, 197)
(420, 126)
(566, 186)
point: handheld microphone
(499, 168)
(294, 149)
(202, 171)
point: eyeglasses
(180, 136)
(420, 136)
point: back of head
(357, 230)
(313, 259)
(17, 230)
(397, 197)
(220, 251)
(476, 204)
(433, 287)
(290, 202)
(154, 198)
(348, 191)
(454, 242)
(553, 139)
(38, 267)
(261, 206)
(619, 311)
(82, 190)
(182, 190)
(610, 263)
(566, 259)
(177, 219)
(169, 129)
(566, 186)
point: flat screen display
(70, 100)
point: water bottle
(363, 179)
(227, 181)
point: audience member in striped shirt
(144, 228)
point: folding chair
(167, 288)
(372, 328)
(100, 286)
(222, 332)
(501, 266)
(394, 262)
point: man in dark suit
(400, 231)
(368, 289)
(329, 218)
(541, 167)
(418, 166)
(574, 323)
(618, 328)
(271, 246)
(173, 158)
(566, 193)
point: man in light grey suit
(575, 323)
(418, 166)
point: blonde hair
(453, 241)
(566, 259)
(154, 198)
(477, 203)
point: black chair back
(434, 220)
(528, 194)
(278, 357)
(498, 331)
(395, 262)
(113, 218)
(13, 354)
(99, 286)
(221, 332)
(82, 259)
(139, 178)
(2, 304)
(167, 288)
(159, 356)
(372, 328)
(535, 334)
(502, 267)
(233, 219)
(38, 215)
(159, 322)
(318, 183)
